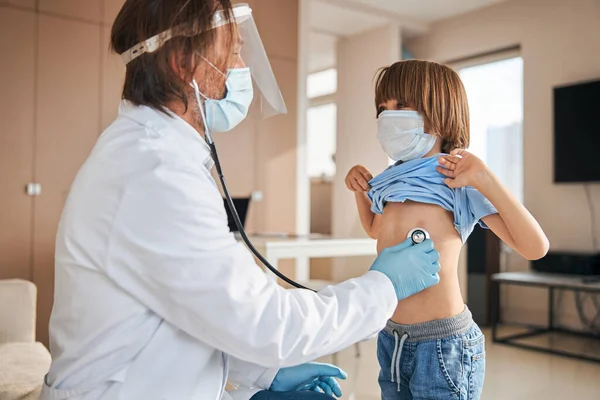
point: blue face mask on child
(402, 136)
(225, 114)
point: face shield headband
(268, 100)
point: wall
(60, 89)
(320, 222)
(559, 44)
(320, 214)
(261, 154)
(359, 57)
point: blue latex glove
(411, 268)
(311, 376)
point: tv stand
(551, 282)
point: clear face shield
(268, 100)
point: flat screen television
(577, 132)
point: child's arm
(357, 181)
(513, 223)
(368, 219)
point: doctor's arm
(172, 250)
(246, 374)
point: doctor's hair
(151, 79)
(435, 91)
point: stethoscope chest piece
(418, 235)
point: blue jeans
(264, 395)
(430, 365)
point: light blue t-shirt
(418, 181)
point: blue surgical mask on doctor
(402, 136)
(225, 114)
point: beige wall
(560, 43)
(320, 212)
(261, 154)
(320, 222)
(61, 88)
(17, 115)
(359, 57)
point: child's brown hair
(435, 91)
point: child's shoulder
(477, 201)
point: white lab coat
(155, 299)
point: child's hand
(358, 179)
(462, 169)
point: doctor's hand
(411, 268)
(309, 377)
(358, 179)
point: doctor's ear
(182, 66)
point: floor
(512, 374)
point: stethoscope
(238, 221)
(417, 235)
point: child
(432, 348)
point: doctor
(154, 298)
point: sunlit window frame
(318, 101)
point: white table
(275, 248)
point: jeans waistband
(433, 330)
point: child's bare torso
(443, 300)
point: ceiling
(426, 10)
(332, 19)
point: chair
(23, 362)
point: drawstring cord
(395, 367)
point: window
(321, 83)
(495, 93)
(321, 140)
(321, 124)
